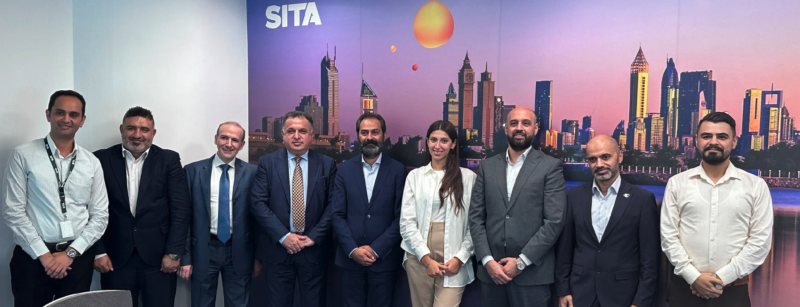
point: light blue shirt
(370, 173)
(304, 168)
(602, 206)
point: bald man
(609, 252)
(516, 214)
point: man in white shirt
(56, 206)
(716, 223)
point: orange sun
(433, 25)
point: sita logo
(278, 16)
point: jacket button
(368, 216)
(598, 272)
(508, 217)
(134, 229)
(599, 250)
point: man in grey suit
(515, 217)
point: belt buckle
(62, 246)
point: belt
(739, 282)
(58, 247)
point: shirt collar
(56, 153)
(521, 157)
(126, 152)
(217, 162)
(614, 188)
(292, 156)
(374, 165)
(731, 172)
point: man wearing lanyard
(56, 206)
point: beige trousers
(427, 291)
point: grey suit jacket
(529, 223)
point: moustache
(602, 169)
(717, 147)
(370, 142)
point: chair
(100, 298)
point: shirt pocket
(79, 189)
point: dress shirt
(216, 174)
(602, 205)
(133, 172)
(512, 172)
(370, 173)
(723, 227)
(439, 213)
(304, 168)
(33, 208)
(420, 195)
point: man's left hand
(510, 266)
(168, 265)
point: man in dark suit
(515, 218)
(220, 238)
(290, 198)
(609, 252)
(149, 214)
(367, 198)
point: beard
(371, 148)
(714, 158)
(612, 172)
(519, 145)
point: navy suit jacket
(376, 222)
(162, 207)
(622, 268)
(271, 203)
(197, 254)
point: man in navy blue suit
(609, 251)
(290, 197)
(366, 201)
(219, 239)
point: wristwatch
(175, 257)
(72, 253)
(520, 264)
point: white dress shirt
(370, 173)
(216, 174)
(304, 170)
(32, 207)
(602, 205)
(420, 193)
(438, 211)
(512, 172)
(723, 227)
(133, 173)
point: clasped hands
(435, 269)
(705, 286)
(503, 271)
(56, 264)
(294, 243)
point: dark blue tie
(223, 217)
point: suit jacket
(529, 223)
(162, 207)
(358, 221)
(271, 205)
(622, 268)
(197, 253)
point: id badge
(66, 229)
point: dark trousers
(157, 288)
(512, 294)
(367, 288)
(236, 288)
(33, 288)
(282, 277)
(680, 295)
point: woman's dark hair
(452, 184)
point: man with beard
(149, 213)
(716, 223)
(367, 198)
(516, 215)
(608, 253)
(290, 200)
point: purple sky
(585, 47)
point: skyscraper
(369, 100)
(310, 105)
(571, 126)
(466, 82)
(787, 126)
(654, 124)
(697, 92)
(751, 121)
(268, 126)
(450, 106)
(497, 122)
(543, 107)
(330, 95)
(484, 118)
(639, 136)
(551, 139)
(587, 122)
(507, 109)
(619, 134)
(669, 105)
(638, 93)
(771, 117)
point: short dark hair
(297, 114)
(138, 111)
(373, 116)
(67, 93)
(718, 117)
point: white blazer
(420, 190)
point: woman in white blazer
(433, 223)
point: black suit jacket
(162, 207)
(622, 268)
(271, 203)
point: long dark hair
(452, 185)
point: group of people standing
(134, 214)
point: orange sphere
(414, 67)
(394, 48)
(433, 25)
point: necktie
(223, 216)
(298, 204)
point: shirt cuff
(350, 255)
(525, 260)
(38, 249)
(284, 238)
(690, 274)
(486, 260)
(376, 254)
(100, 256)
(80, 245)
(727, 275)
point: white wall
(184, 60)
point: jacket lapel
(119, 169)
(147, 171)
(382, 173)
(585, 207)
(283, 173)
(619, 207)
(313, 173)
(361, 183)
(528, 166)
(205, 184)
(238, 172)
(502, 184)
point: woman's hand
(452, 267)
